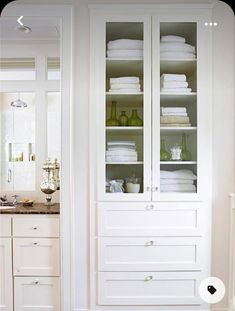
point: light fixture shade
(18, 103)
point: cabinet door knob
(149, 243)
(147, 189)
(35, 243)
(36, 282)
(150, 207)
(148, 278)
(35, 228)
(154, 189)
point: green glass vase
(135, 120)
(113, 121)
(123, 119)
(164, 155)
(185, 154)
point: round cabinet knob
(147, 189)
(150, 243)
(150, 207)
(36, 282)
(154, 189)
(35, 243)
(35, 228)
(148, 278)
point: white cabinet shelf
(124, 129)
(176, 130)
(178, 162)
(124, 94)
(125, 163)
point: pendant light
(18, 103)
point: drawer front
(5, 225)
(34, 256)
(138, 219)
(35, 226)
(149, 288)
(39, 293)
(150, 254)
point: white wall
(222, 141)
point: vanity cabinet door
(37, 294)
(6, 299)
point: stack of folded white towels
(177, 181)
(174, 116)
(121, 151)
(124, 85)
(125, 48)
(175, 47)
(174, 83)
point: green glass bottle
(164, 155)
(113, 121)
(135, 120)
(185, 154)
(123, 119)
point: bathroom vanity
(30, 258)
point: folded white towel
(121, 142)
(128, 80)
(120, 86)
(172, 38)
(178, 188)
(179, 174)
(122, 152)
(125, 91)
(180, 90)
(175, 124)
(176, 47)
(174, 84)
(122, 44)
(125, 53)
(177, 55)
(174, 181)
(173, 109)
(121, 158)
(173, 77)
(174, 119)
(182, 114)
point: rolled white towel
(174, 84)
(124, 80)
(122, 44)
(179, 90)
(120, 86)
(173, 77)
(177, 55)
(125, 53)
(179, 174)
(172, 38)
(176, 47)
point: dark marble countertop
(37, 208)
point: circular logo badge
(212, 290)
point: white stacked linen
(124, 85)
(174, 117)
(174, 83)
(125, 48)
(175, 47)
(177, 181)
(121, 151)
(174, 111)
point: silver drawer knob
(150, 243)
(148, 278)
(154, 189)
(147, 189)
(35, 243)
(36, 282)
(35, 228)
(150, 207)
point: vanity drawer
(36, 226)
(34, 256)
(36, 293)
(5, 225)
(139, 219)
(150, 254)
(149, 288)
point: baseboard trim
(78, 309)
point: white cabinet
(150, 247)
(37, 293)
(6, 282)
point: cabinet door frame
(5, 244)
(204, 106)
(97, 118)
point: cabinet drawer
(36, 226)
(5, 225)
(138, 219)
(148, 288)
(150, 254)
(34, 256)
(39, 293)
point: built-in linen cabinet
(150, 241)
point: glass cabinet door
(125, 151)
(177, 97)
